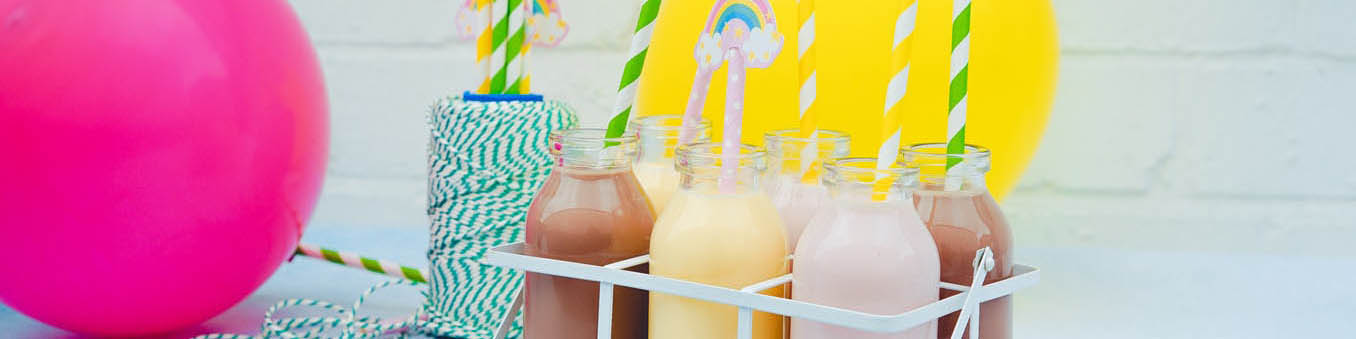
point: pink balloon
(158, 158)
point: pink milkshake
(964, 218)
(866, 251)
(795, 165)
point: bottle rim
(590, 147)
(665, 123)
(935, 154)
(711, 154)
(862, 168)
(821, 135)
(588, 136)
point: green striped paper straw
(498, 42)
(513, 50)
(357, 261)
(626, 92)
(960, 67)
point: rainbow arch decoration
(751, 13)
(749, 25)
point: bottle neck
(657, 137)
(941, 170)
(790, 154)
(747, 181)
(952, 182)
(699, 168)
(857, 180)
(658, 150)
(588, 148)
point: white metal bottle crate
(748, 300)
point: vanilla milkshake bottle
(963, 218)
(866, 251)
(724, 238)
(658, 139)
(795, 164)
(590, 210)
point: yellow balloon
(1012, 75)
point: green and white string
(346, 321)
(486, 161)
(626, 91)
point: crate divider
(746, 299)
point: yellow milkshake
(658, 138)
(659, 180)
(729, 239)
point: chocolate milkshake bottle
(658, 138)
(963, 218)
(795, 165)
(590, 210)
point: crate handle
(969, 311)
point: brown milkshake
(591, 210)
(963, 218)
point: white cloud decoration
(548, 29)
(762, 47)
(709, 54)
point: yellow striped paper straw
(898, 85)
(893, 124)
(805, 59)
(484, 45)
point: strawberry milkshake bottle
(866, 250)
(795, 165)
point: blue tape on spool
(468, 96)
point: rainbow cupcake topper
(748, 25)
(547, 25)
(473, 17)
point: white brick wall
(1222, 125)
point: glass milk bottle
(724, 238)
(793, 174)
(658, 135)
(590, 210)
(963, 218)
(866, 251)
